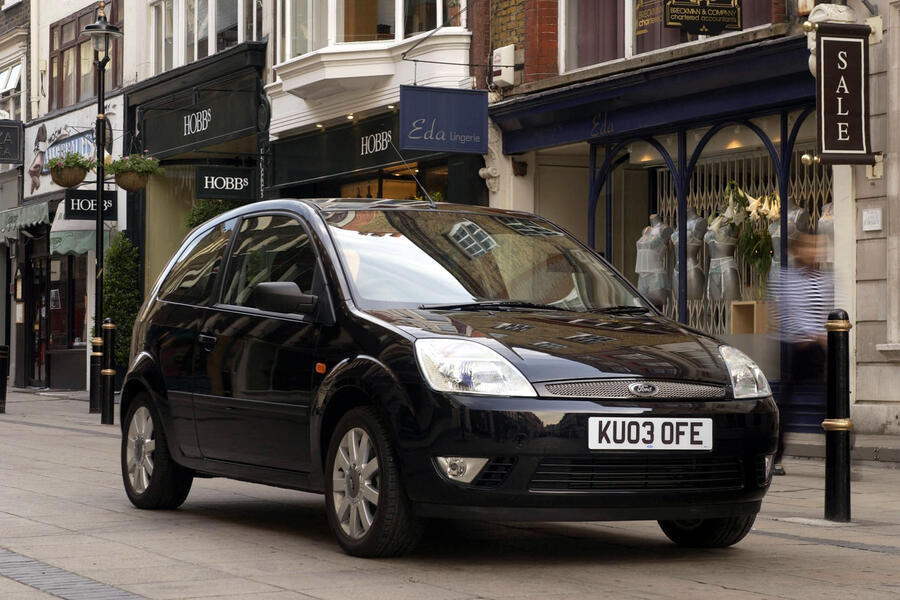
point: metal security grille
(809, 187)
(615, 473)
(618, 388)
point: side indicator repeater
(321, 368)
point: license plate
(627, 433)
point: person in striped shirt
(801, 297)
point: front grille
(619, 389)
(648, 473)
(495, 472)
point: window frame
(179, 31)
(56, 87)
(284, 31)
(629, 39)
(320, 287)
(9, 98)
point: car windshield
(415, 258)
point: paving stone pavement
(62, 505)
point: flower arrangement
(70, 169)
(752, 216)
(133, 170)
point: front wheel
(152, 479)
(367, 508)
(708, 533)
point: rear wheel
(152, 479)
(367, 508)
(709, 533)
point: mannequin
(826, 237)
(696, 278)
(652, 251)
(798, 220)
(724, 283)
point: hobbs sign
(81, 205)
(225, 182)
(842, 93)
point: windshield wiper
(623, 310)
(492, 305)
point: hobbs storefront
(205, 122)
(362, 160)
(53, 270)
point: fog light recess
(770, 462)
(460, 469)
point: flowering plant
(140, 163)
(72, 159)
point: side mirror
(282, 297)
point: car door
(254, 385)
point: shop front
(363, 160)
(649, 167)
(206, 122)
(52, 275)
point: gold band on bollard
(838, 325)
(109, 326)
(108, 372)
(97, 341)
(837, 425)
(96, 354)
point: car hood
(562, 345)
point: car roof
(340, 204)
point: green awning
(75, 242)
(21, 217)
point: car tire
(709, 533)
(368, 510)
(152, 479)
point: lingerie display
(826, 239)
(696, 278)
(652, 254)
(723, 281)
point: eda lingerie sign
(443, 119)
(842, 94)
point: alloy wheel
(356, 483)
(139, 450)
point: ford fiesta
(412, 361)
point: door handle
(207, 342)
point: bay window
(11, 92)
(597, 31)
(189, 30)
(307, 25)
(72, 57)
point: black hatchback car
(413, 361)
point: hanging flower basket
(130, 181)
(70, 169)
(67, 176)
(133, 171)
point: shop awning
(21, 217)
(74, 236)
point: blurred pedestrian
(801, 296)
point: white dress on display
(652, 251)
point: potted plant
(133, 170)
(70, 169)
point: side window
(269, 248)
(193, 276)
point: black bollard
(4, 373)
(96, 365)
(108, 374)
(837, 423)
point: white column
(89, 290)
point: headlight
(453, 365)
(747, 379)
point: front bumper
(541, 467)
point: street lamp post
(100, 33)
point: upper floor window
(597, 31)
(11, 92)
(72, 57)
(188, 30)
(307, 25)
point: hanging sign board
(842, 94)
(704, 17)
(81, 205)
(443, 119)
(233, 183)
(11, 149)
